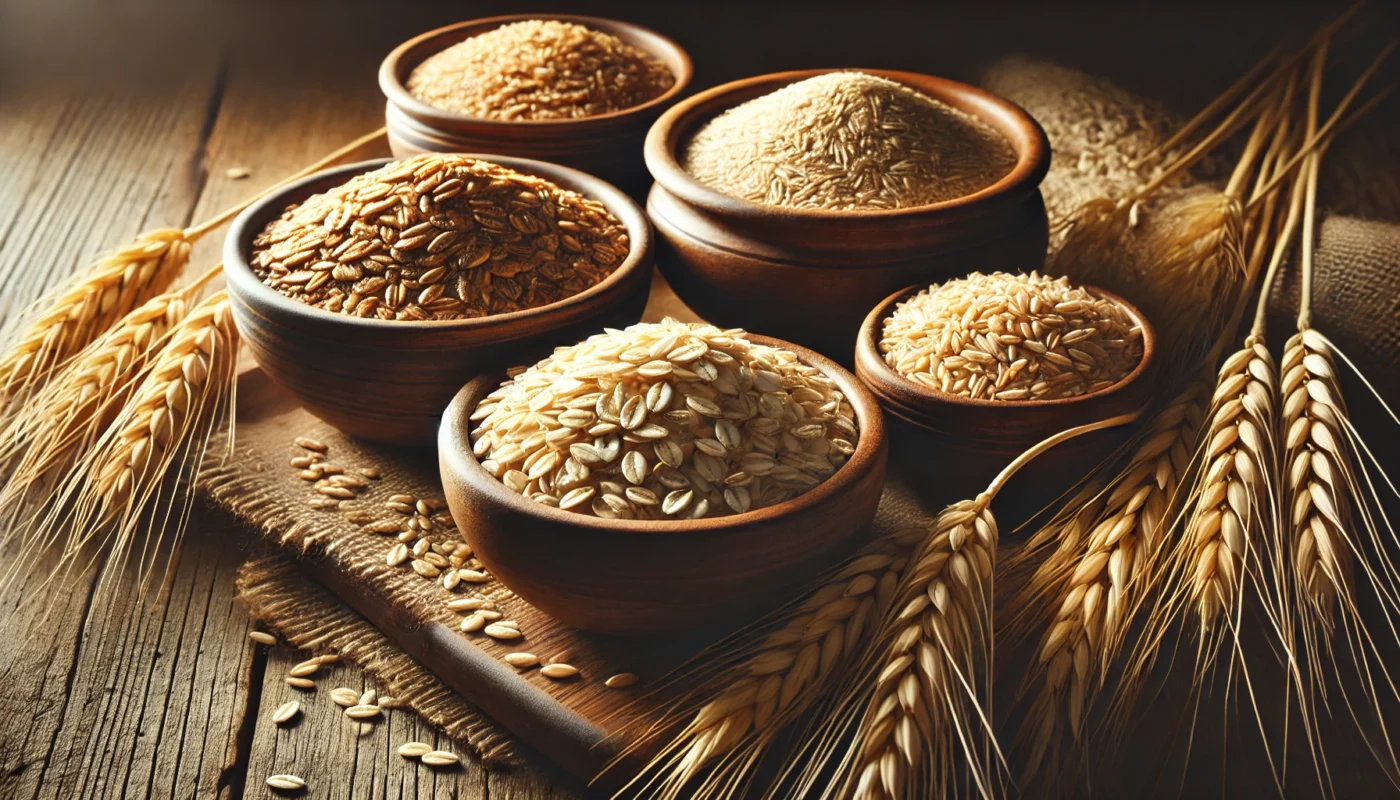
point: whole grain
(846, 141)
(1011, 337)
(539, 69)
(439, 237)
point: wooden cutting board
(567, 721)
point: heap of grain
(539, 69)
(665, 420)
(847, 141)
(1011, 337)
(439, 237)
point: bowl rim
(242, 280)
(1017, 126)
(868, 455)
(871, 365)
(392, 85)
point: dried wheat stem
(67, 320)
(940, 639)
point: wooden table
(125, 121)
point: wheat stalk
(940, 644)
(1095, 590)
(748, 687)
(81, 309)
(66, 320)
(138, 477)
(67, 415)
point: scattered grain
(285, 712)
(414, 749)
(439, 758)
(501, 631)
(306, 443)
(286, 783)
(262, 637)
(362, 712)
(521, 660)
(621, 680)
(344, 696)
(300, 683)
(558, 671)
(305, 669)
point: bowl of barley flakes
(574, 90)
(373, 291)
(663, 476)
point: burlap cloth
(1096, 130)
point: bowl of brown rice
(573, 90)
(373, 291)
(975, 370)
(662, 476)
(793, 202)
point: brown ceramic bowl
(640, 576)
(810, 275)
(606, 145)
(388, 381)
(960, 443)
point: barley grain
(439, 758)
(262, 637)
(344, 696)
(502, 232)
(539, 69)
(286, 783)
(360, 712)
(558, 671)
(621, 680)
(414, 749)
(300, 683)
(521, 660)
(285, 712)
(845, 141)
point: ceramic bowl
(644, 576)
(960, 443)
(810, 275)
(606, 145)
(388, 381)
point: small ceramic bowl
(641, 576)
(606, 145)
(960, 443)
(388, 381)
(809, 275)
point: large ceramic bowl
(810, 275)
(641, 576)
(606, 145)
(388, 381)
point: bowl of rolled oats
(662, 475)
(373, 291)
(573, 90)
(979, 368)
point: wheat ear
(753, 684)
(941, 642)
(66, 320)
(1095, 592)
(71, 317)
(919, 697)
(138, 478)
